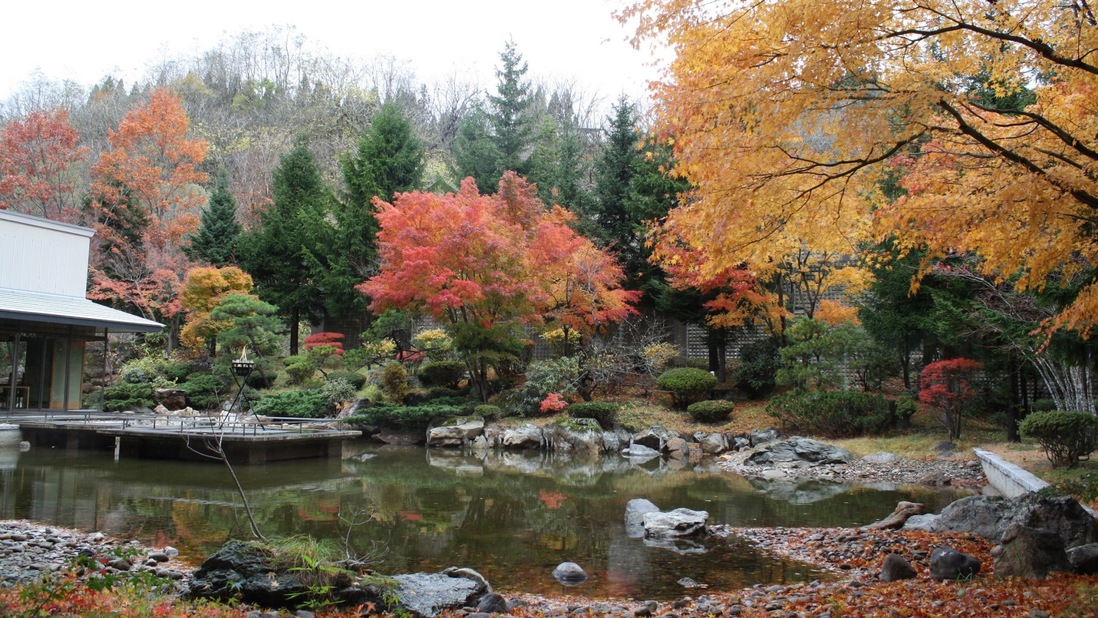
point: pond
(511, 516)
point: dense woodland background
(254, 167)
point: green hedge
(833, 414)
(1066, 437)
(686, 385)
(711, 411)
(128, 396)
(298, 404)
(604, 412)
(404, 417)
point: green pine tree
(216, 239)
(389, 160)
(511, 124)
(475, 152)
(286, 255)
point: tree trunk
(295, 319)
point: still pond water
(512, 517)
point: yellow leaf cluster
(789, 115)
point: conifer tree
(511, 124)
(285, 256)
(216, 238)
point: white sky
(565, 40)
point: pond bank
(855, 554)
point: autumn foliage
(948, 126)
(946, 385)
(325, 339)
(486, 264)
(37, 153)
(203, 288)
(145, 200)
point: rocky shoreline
(871, 469)
(28, 551)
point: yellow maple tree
(790, 115)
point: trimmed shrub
(759, 365)
(404, 417)
(711, 411)
(338, 392)
(128, 396)
(354, 378)
(299, 368)
(298, 404)
(1066, 437)
(686, 385)
(604, 412)
(832, 414)
(487, 411)
(441, 373)
(204, 391)
(394, 382)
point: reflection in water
(511, 516)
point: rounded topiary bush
(1066, 437)
(604, 412)
(354, 378)
(686, 385)
(711, 410)
(441, 373)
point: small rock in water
(569, 574)
(687, 582)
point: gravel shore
(27, 551)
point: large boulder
(172, 399)
(455, 431)
(247, 572)
(635, 510)
(523, 437)
(1029, 553)
(675, 524)
(576, 435)
(798, 451)
(428, 594)
(989, 517)
(655, 437)
(713, 443)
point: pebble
(29, 551)
(935, 472)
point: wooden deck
(131, 436)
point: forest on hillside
(873, 204)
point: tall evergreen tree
(614, 177)
(389, 160)
(560, 168)
(216, 239)
(285, 255)
(511, 123)
(474, 150)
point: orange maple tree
(37, 154)
(146, 197)
(485, 265)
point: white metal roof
(58, 309)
